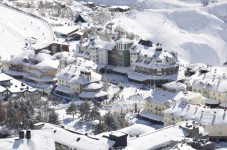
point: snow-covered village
(113, 74)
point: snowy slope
(197, 33)
(15, 27)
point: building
(67, 139)
(119, 8)
(75, 81)
(95, 50)
(166, 137)
(211, 83)
(50, 47)
(120, 55)
(79, 19)
(69, 58)
(13, 89)
(156, 101)
(37, 69)
(192, 107)
(150, 64)
(30, 139)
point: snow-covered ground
(197, 35)
(15, 27)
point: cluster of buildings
(72, 74)
(57, 137)
(201, 97)
(147, 62)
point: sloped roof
(79, 18)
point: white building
(39, 140)
(156, 101)
(210, 82)
(151, 60)
(65, 139)
(72, 80)
(166, 137)
(95, 50)
(191, 107)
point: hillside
(197, 33)
(15, 27)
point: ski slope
(197, 33)
(15, 27)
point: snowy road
(15, 26)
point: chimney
(120, 139)
(21, 134)
(28, 134)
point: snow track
(16, 26)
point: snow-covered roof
(61, 54)
(124, 40)
(174, 86)
(201, 114)
(95, 94)
(157, 138)
(18, 58)
(211, 101)
(45, 61)
(77, 140)
(40, 140)
(48, 64)
(142, 50)
(162, 96)
(65, 29)
(214, 80)
(93, 86)
(132, 131)
(121, 7)
(73, 74)
(105, 45)
(16, 86)
(40, 45)
(150, 58)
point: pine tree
(11, 115)
(85, 110)
(2, 113)
(53, 117)
(94, 114)
(72, 109)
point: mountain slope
(15, 27)
(194, 32)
